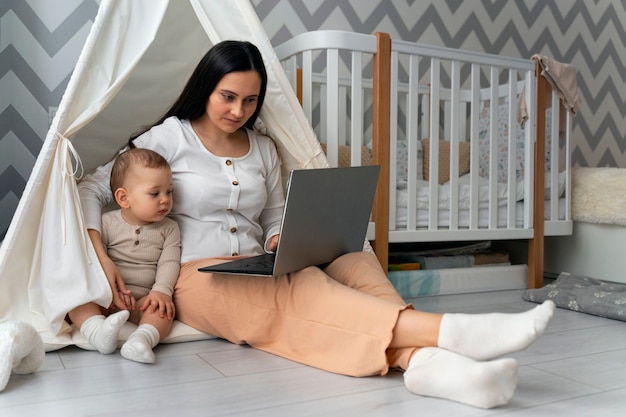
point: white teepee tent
(136, 59)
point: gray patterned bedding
(583, 294)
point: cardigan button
(235, 254)
(233, 229)
(235, 182)
(229, 162)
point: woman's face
(234, 100)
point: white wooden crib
(392, 97)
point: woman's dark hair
(223, 58)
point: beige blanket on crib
(562, 78)
(599, 195)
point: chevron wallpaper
(40, 41)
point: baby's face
(149, 194)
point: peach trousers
(339, 319)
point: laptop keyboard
(261, 263)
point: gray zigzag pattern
(50, 41)
(11, 181)
(513, 32)
(53, 41)
(564, 22)
(11, 61)
(12, 121)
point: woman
(346, 318)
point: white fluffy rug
(599, 195)
(21, 350)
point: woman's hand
(157, 301)
(273, 245)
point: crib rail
(439, 94)
(459, 83)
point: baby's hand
(122, 298)
(128, 299)
(159, 302)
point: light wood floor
(578, 368)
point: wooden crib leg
(536, 244)
(380, 145)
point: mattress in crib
(464, 218)
(423, 198)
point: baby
(145, 246)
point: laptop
(326, 214)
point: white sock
(437, 372)
(102, 332)
(488, 336)
(139, 345)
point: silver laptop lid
(326, 215)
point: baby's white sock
(102, 332)
(437, 372)
(139, 345)
(487, 336)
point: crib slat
(356, 110)
(553, 212)
(412, 139)
(474, 149)
(307, 84)
(433, 174)
(331, 106)
(512, 149)
(568, 162)
(529, 151)
(393, 139)
(455, 117)
(493, 148)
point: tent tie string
(75, 161)
(71, 169)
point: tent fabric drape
(136, 58)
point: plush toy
(21, 350)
